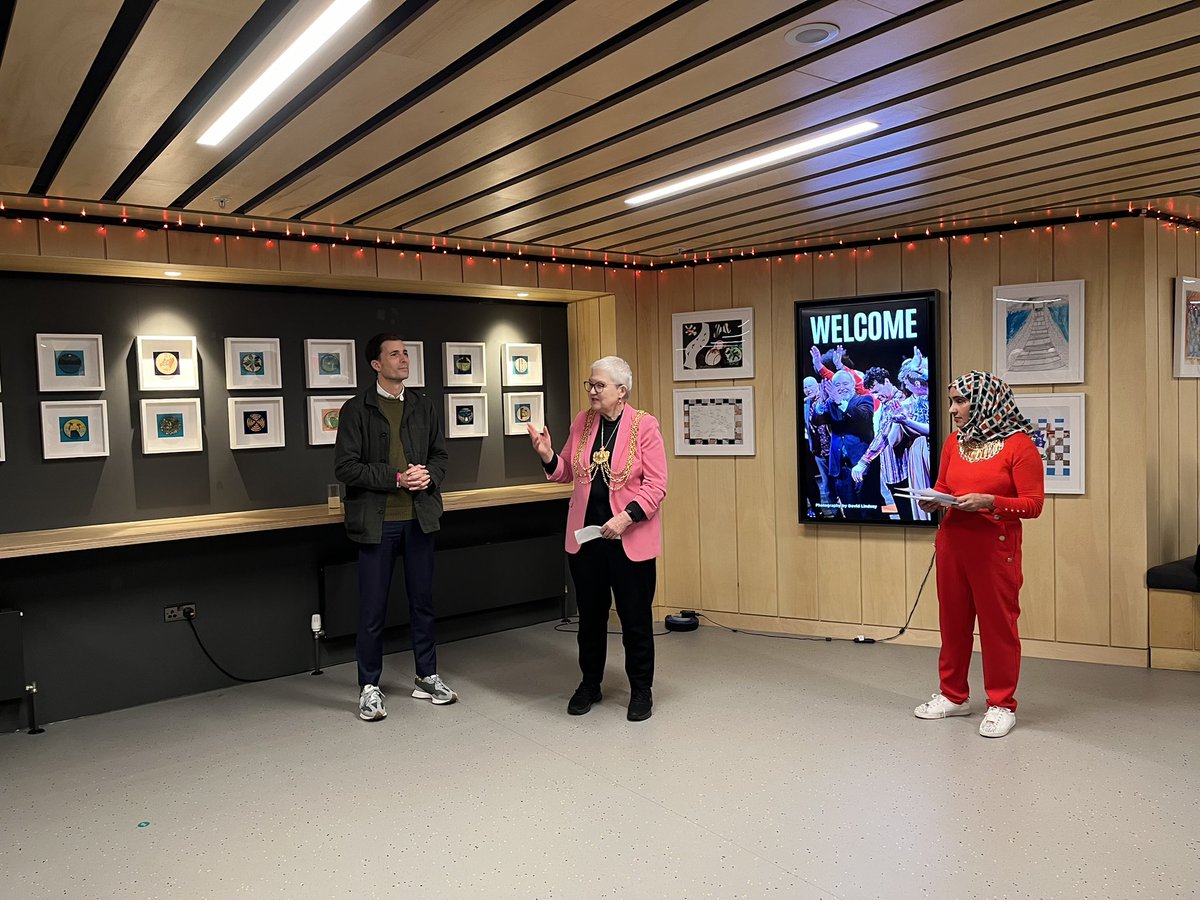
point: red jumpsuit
(979, 565)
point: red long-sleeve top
(1015, 477)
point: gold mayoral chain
(978, 451)
(601, 459)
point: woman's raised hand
(542, 444)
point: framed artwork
(255, 422)
(714, 422)
(521, 365)
(70, 362)
(1, 432)
(324, 413)
(521, 410)
(466, 364)
(1187, 327)
(252, 364)
(416, 364)
(1058, 422)
(1037, 332)
(73, 429)
(172, 426)
(713, 343)
(330, 363)
(167, 363)
(466, 415)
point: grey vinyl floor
(771, 768)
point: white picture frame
(1059, 422)
(256, 423)
(521, 365)
(457, 425)
(330, 363)
(2, 456)
(74, 429)
(1038, 333)
(171, 425)
(252, 364)
(521, 410)
(167, 363)
(465, 364)
(416, 364)
(321, 429)
(1187, 327)
(713, 344)
(714, 421)
(70, 362)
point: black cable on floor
(191, 621)
(559, 627)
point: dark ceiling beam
(7, 8)
(117, 43)
(376, 38)
(269, 14)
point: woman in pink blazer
(615, 458)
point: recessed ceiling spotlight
(812, 34)
(171, 273)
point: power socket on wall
(176, 613)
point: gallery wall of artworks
(123, 401)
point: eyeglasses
(594, 387)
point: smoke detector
(812, 34)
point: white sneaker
(939, 707)
(997, 722)
(370, 704)
(434, 689)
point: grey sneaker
(370, 704)
(434, 689)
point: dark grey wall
(127, 486)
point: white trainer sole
(965, 711)
(382, 714)
(423, 695)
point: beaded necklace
(602, 458)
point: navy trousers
(376, 563)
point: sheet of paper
(928, 494)
(588, 533)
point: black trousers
(376, 563)
(602, 571)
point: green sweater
(399, 504)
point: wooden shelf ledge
(123, 534)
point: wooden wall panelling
(839, 567)
(621, 283)
(884, 579)
(1022, 255)
(518, 272)
(19, 237)
(554, 275)
(304, 256)
(1168, 547)
(77, 240)
(755, 476)
(795, 543)
(592, 278)
(195, 248)
(647, 375)
(681, 516)
(481, 270)
(575, 364)
(254, 253)
(443, 267)
(358, 261)
(718, 499)
(1128, 379)
(607, 307)
(403, 265)
(1172, 622)
(1189, 433)
(141, 244)
(923, 265)
(1082, 523)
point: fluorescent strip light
(325, 27)
(749, 164)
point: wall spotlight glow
(171, 273)
(326, 26)
(751, 163)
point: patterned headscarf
(994, 414)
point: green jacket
(361, 461)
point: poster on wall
(713, 344)
(1058, 433)
(714, 421)
(1037, 332)
(1187, 327)
(864, 419)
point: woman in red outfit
(992, 466)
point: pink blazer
(647, 482)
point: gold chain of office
(601, 460)
(978, 451)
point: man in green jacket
(391, 455)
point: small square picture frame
(416, 364)
(1060, 434)
(466, 364)
(74, 429)
(713, 344)
(330, 363)
(171, 425)
(256, 423)
(1038, 332)
(167, 363)
(252, 364)
(323, 413)
(1187, 327)
(461, 425)
(521, 365)
(521, 410)
(714, 421)
(70, 362)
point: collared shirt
(382, 393)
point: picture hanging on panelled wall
(70, 362)
(466, 415)
(330, 363)
(521, 365)
(1187, 327)
(167, 363)
(73, 429)
(252, 364)
(172, 426)
(466, 364)
(523, 410)
(416, 364)
(1058, 432)
(713, 344)
(714, 422)
(1037, 332)
(255, 422)
(324, 416)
